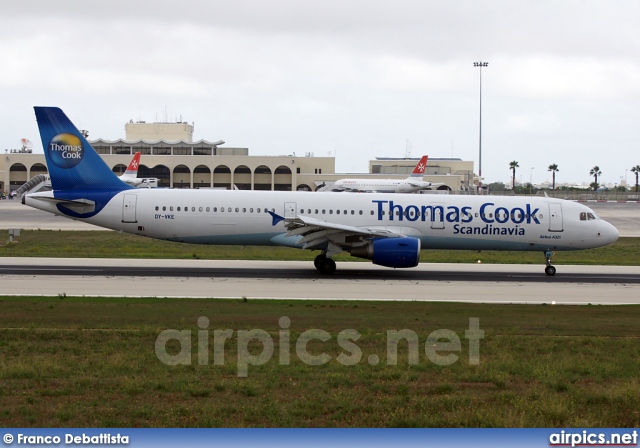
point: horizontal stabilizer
(80, 206)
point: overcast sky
(354, 79)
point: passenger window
(207, 209)
(164, 209)
(372, 212)
(251, 210)
(229, 209)
(361, 212)
(178, 208)
(157, 208)
(337, 212)
(200, 208)
(331, 212)
(323, 211)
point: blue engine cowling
(391, 252)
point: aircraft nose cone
(610, 233)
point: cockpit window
(587, 216)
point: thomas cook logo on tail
(65, 150)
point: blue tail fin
(73, 164)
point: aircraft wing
(414, 183)
(355, 190)
(312, 232)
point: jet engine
(391, 252)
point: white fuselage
(440, 222)
(381, 185)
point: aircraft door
(437, 218)
(290, 210)
(129, 208)
(555, 218)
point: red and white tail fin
(132, 169)
(418, 171)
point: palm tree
(595, 172)
(553, 168)
(636, 171)
(512, 166)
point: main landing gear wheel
(549, 270)
(324, 264)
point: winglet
(276, 218)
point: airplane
(388, 229)
(411, 184)
(130, 176)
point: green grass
(85, 362)
(107, 244)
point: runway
(295, 280)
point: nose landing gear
(549, 270)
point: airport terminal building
(170, 155)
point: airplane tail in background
(73, 164)
(132, 169)
(418, 171)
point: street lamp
(480, 64)
(530, 180)
(625, 177)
